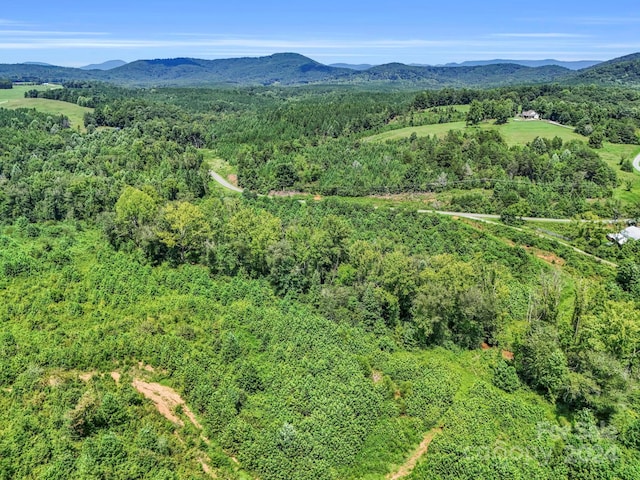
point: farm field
(14, 99)
(515, 132)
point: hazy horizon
(63, 34)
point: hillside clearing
(14, 99)
(515, 132)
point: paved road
(474, 216)
(636, 162)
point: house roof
(632, 233)
(629, 233)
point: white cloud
(37, 42)
(42, 33)
(5, 22)
(539, 35)
(631, 20)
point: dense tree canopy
(315, 338)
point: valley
(269, 268)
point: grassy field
(611, 153)
(515, 132)
(14, 98)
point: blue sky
(76, 33)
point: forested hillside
(624, 70)
(296, 69)
(155, 325)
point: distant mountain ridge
(361, 66)
(572, 65)
(42, 64)
(108, 65)
(296, 69)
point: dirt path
(166, 400)
(474, 216)
(411, 462)
(222, 181)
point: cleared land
(629, 189)
(14, 98)
(514, 132)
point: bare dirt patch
(411, 462)
(550, 258)
(54, 381)
(166, 401)
(285, 193)
(147, 368)
(233, 179)
(376, 376)
(507, 355)
(116, 376)
(424, 197)
(85, 377)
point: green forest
(327, 322)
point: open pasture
(14, 98)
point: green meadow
(629, 189)
(14, 98)
(514, 132)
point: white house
(629, 233)
(530, 115)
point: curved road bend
(636, 162)
(222, 181)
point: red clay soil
(166, 401)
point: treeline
(544, 177)
(5, 84)
(83, 93)
(613, 113)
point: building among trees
(530, 115)
(629, 233)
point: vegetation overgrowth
(322, 338)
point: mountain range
(296, 69)
(576, 65)
(108, 65)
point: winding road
(636, 162)
(487, 218)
